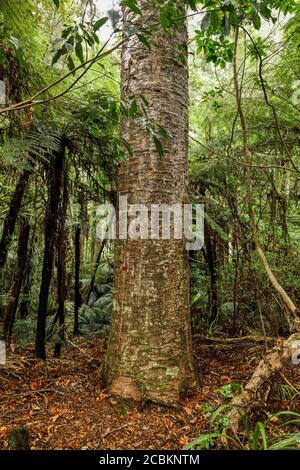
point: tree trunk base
(128, 388)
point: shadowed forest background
(117, 344)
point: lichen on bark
(149, 353)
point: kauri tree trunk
(149, 355)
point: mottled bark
(149, 355)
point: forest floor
(63, 406)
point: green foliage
(219, 51)
(74, 37)
(123, 410)
(229, 390)
(96, 316)
(267, 435)
(24, 330)
(38, 145)
(132, 5)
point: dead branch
(271, 364)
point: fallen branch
(250, 338)
(253, 392)
(112, 431)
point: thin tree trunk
(52, 212)
(27, 279)
(211, 263)
(28, 270)
(11, 218)
(11, 309)
(149, 354)
(77, 298)
(61, 269)
(275, 359)
(288, 302)
(97, 263)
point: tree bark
(61, 269)
(212, 267)
(11, 309)
(149, 355)
(51, 220)
(27, 278)
(11, 218)
(97, 263)
(77, 299)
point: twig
(254, 339)
(112, 431)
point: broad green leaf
(257, 22)
(164, 20)
(192, 4)
(133, 109)
(144, 41)
(71, 64)
(164, 133)
(58, 55)
(145, 101)
(127, 146)
(99, 23)
(79, 51)
(214, 20)
(265, 11)
(132, 4)
(159, 146)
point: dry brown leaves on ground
(63, 405)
